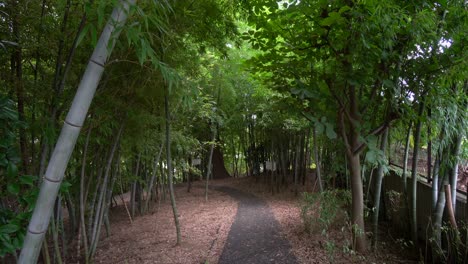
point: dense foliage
(279, 90)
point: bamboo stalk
(69, 134)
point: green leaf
(28, 180)
(319, 128)
(93, 32)
(83, 33)
(13, 188)
(65, 186)
(12, 170)
(344, 9)
(9, 228)
(333, 18)
(330, 131)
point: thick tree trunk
(378, 191)
(68, 136)
(169, 168)
(357, 205)
(352, 154)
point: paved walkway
(254, 236)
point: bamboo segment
(69, 134)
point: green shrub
(319, 211)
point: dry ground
(312, 248)
(205, 226)
(151, 238)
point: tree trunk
(94, 202)
(357, 205)
(210, 161)
(352, 143)
(169, 167)
(454, 170)
(414, 178)
(189, 172)
(318, 171)
(436, 170)
(378, 191)
(155, 167)
(82, 199)
(17, 69)
(134, 187)
(429, 147)
(69, 134)
(296, 165)
(437, 220)
(100, 210)
(435, 182)
(405, 158)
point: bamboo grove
(103, 99)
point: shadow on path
(254, 236)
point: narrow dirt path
(254, 236)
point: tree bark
(450, 209)
(352, 144)
(134, 187)
(357, 205)
(318, 170)
(169, 167)
(69, 134)
(378, 191)
(454, 170)
(296, 165)
(437, 220)
(414, 177)
(17, 70)
(153, 177)
(100, 210)
(82, 199)
(429, 147)
(210, 161)
(405, 158)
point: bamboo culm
(169, 167)
(153, 177)
(71, 129)
(82, 195)
(414, 178)
(378, 191)
(133, 191)
(102, 197)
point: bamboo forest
(220, 131)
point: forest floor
(206, 226)
(315, 247)
(151, 238)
